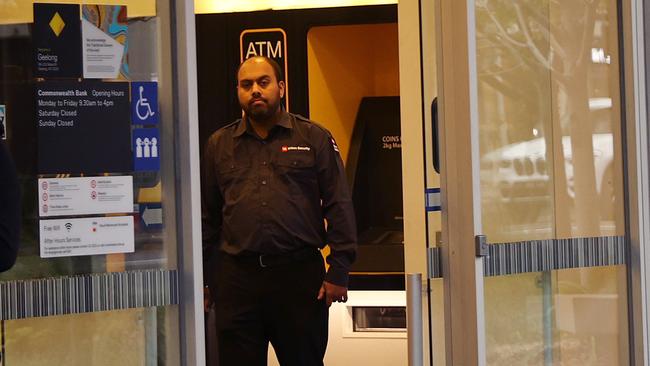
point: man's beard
(261, 114)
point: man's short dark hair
(277, 70)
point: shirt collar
(244, 125)
(241, 127)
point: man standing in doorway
(270, 179)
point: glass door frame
(458, 129)
(190, 262)
(636, 50)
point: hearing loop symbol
(146, 148)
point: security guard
(269, 181)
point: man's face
(258, 90)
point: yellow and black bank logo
(57, 24)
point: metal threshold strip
(87, 293)
(544, 255)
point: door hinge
(481, 245)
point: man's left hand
(332, 292)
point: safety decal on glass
(150, 215)
(144, 103)
(432, 199)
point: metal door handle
(435, 138)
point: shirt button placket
(264, 176)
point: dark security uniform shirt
(270, 196)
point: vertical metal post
(414, 318)
(547, 311)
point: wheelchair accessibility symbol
(144, 103)
(142, 106)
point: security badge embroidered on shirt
(295, 148)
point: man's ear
(282, 86)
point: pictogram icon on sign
(146, 149)
(144, 103)
(142, 106)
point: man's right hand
(331, 292)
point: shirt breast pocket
(232, 177)
(296, 169)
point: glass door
(532, 249)
(551, 180)
(96, 123)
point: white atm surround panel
(347, 347)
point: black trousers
(256, 305)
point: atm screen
(375, 171)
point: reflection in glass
(551, 168)
(126, 337)
(514, 320)
(549, 119)
(515, 126)
(569, 317)
(155, 242)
